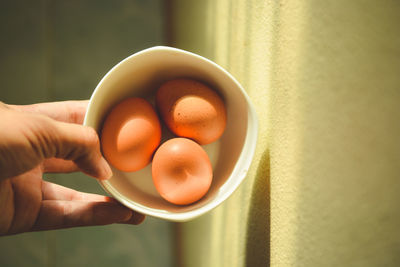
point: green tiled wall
(59, 50)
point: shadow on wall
(258, 224)
(54, 50)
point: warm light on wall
(324, 77)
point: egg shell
(131, 133)
(181, 170)
(191, 109)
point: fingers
(32, 138)
(52, 191)
(65, 111)
(81, 145)
(56, 165)
(56, 214)
(137, 218)
(63, 207)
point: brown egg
(191, 109)
(130, 135)
(182, 171)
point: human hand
(47, 137)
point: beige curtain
(324, 187)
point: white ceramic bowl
(140, 75)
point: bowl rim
(244, 160)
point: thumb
(81, 144)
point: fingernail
(136, 218)
(106, 170)
(127, 217)
(139, 218)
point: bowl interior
(140, 75)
